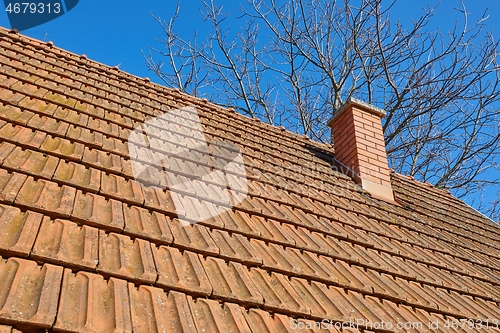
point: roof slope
(85, 248)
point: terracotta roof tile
(11, 96)
(106, 128)
(49, 125)
(304, 239)
(30, 292)
(352, 307)
(125, 258)
(238, 221)
(10, 184)
(70, 173)
(318, 298)
(340, 249)
(483, 309)
(70, 116)
(274, 257)
(63, 148)
(85, 136)
(6, 81)
(153, 310)
(235, 247)
(261, 321)
(21, 135)
(122, 189)
(47, 197)
(385, 313)
(405, 314)
(96, 210)
(31, 162)
(231, 282)
(104, 161)
(305, 245)
(307, 220)
(209, 315)
(140, 222)
(64, 242)
(115, 146)
(18, 230)
(193, 236)
(159, 200)
(370, 316)
(89, 303)
(272, 229)
(15, 115)
(5, 149)
(279, 295)
(181, 271)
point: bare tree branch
(294, 63)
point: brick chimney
(359, 145)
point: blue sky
(114, 32)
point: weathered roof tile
(193, 236)
(158, 199)
(14, 114)
(31, 162)
(18, 230)
(91, 304)
(181, 271)
(140, 222)
(23, 136)
(63, 148)
(274, 257)
(96, 210)
(125, 258)
(235, 247)
(65, 243)
(316, 296)
(121, 189)
(70, 173)
(153, 310)
(279, 295)
(209, 315)
(49, 125)
(30, 292)
(231, 282)
(47, 197)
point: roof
(85, 247)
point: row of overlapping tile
(39, 295)
(88, 178)
(84, 147)
(114, 143)
(114, 188)
(277, 259)
(440, 206)
(99, 157)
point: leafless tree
(294, 62)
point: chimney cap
(365, 106)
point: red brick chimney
(359, 145)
